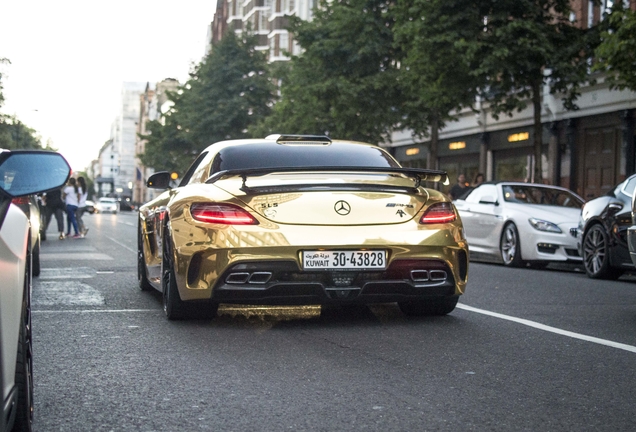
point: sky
(69, 59)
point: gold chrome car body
(297, 211)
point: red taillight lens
(227, 214)
(439, 213)
(20, 201)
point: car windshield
(107, 200)
(540, 195)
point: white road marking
(550, 329)
(88, 311)
(66, 293)
(122, 245)
(67, 273)
(74, 256)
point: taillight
(21, 200)
(439, 213)
(227, 214)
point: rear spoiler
(420, 175)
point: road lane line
(122, 245)
(88, 311)
(555, 330)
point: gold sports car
(301, 220)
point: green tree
(13, 133)
(2, 61)
(16, 135)
(616, 53)
(435, 73)
(226, 93)
(344, 83)
(524, 45)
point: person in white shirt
(81, 208)
(71, 197)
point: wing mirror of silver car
(614, 207)
(28, 172)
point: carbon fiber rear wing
(420, 175)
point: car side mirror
(159, 180)
(487, 199)
(28, 172)
(613, 208)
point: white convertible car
(521, 223)
(22, 173)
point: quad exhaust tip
(241, 278)
(428, 275)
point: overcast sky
(69, 59)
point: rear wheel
(432, 307)
(510, 246)
(142, 277)
(173, 306)
(596, 254)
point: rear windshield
(540, 195)
(272, 155)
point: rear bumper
(281, 282)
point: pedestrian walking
(55, 206)
(83, 191)
(71, 197)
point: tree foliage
(226, 93)
(344, 82)
(13, 133)
(523, 46)
(616, 53)
(435, 73)
(16, 135)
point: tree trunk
(538, 132)
(432, 162)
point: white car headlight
(542, 225)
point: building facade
(153, 102)
(268, 19)
(106, 169)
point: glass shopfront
(513, 164)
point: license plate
(348, 260)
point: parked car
(22, 173)
(521, 223)
(295, 219)
(107, 205)
(603, 230)
(90, 206)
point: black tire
(432, 307)
(35, 259)
(596, 258)
(142, 276)
(510, 246)
(173, 306)
(24, 365)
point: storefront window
(511, 166)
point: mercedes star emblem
(342, 208)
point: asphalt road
(535, 350)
